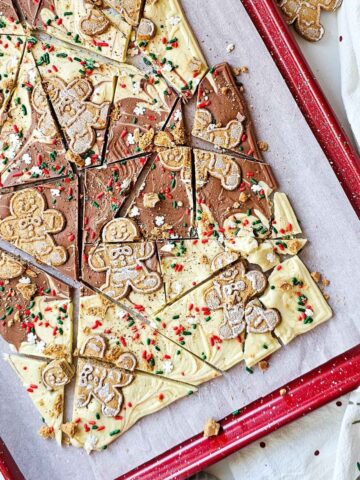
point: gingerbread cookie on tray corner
(305, 15)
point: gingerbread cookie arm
(54, 221)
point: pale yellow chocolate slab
(145, 394)
(174, 42)
(285, 221)
(289, 280)
(49, 403)
(122, 333)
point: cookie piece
(49, 403)
(127, 272)
(174, 133)
(80, 91)
(124, 398)
(170, 47)
(43, 222)
(105, 190)
(294, 294)
(305, 15)
(164, 207)
(35, 311)
(142, 105)
(210, 320)
(11, 52)
(187, 263)
(87, 24)
(106, 332)
(222, 116)
(31, 146)
(9, 20)
(232, 196)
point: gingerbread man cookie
(77, 114)
(94, 23)
(305, 15)
(103, 382)
(9, 267)
(30, 225)
(231, 292)
(124, 263)
(222, 167)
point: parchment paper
(329, 223)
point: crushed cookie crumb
(316, 276)
(283, 392)
(46, 432)
(325, 282)
(263, 365)
(69, 429)
(263, 146)
(211, 428)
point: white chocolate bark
(122, 333)
(186, 263)
(285, 221)
(81, 23)
(145, 394)
(296, 296)
(49, 403)
(184, 64)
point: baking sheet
(328, 222)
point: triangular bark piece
(124, 399)
(142, 105)
(80, 92)
(170, 47)
(49, 403)
(164, 207)
(222, 116)
(35, 310)
(130, 10)
(43, 222)
(86, 24)
(106, 332)
(105, 191)
(31, 146)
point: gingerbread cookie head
(177, 160)
(30, 226)
(120, 230)
(57, 374)
(94, 23)
(104, 383)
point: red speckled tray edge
(321, 385)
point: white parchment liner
(329, 223)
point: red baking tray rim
(321, 385)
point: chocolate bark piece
(107, 332)
(128, 273)
(49, 403)
(43, 221)
(130, 10)
(174, 50)
(35, 310)
(222, 116)
(11, 51)
(105, 191)
(86, 23)
(210, 320)
(29, 10)
(132, 395)
(31, 147)
(142, 105)
(232, 196)
(80, 91)
(164, 207)
(9, 20)
(187, 263)
(174, 133)
(294, 294)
